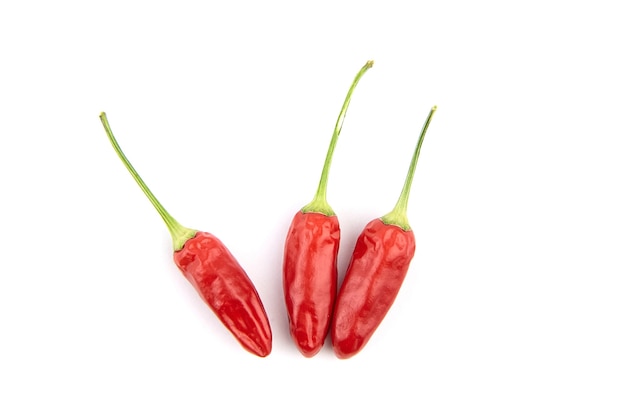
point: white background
(515, 303)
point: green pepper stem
(319, 202)
(398, 216)
(179, 233)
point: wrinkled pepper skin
(223, 284)
(379, 264)
(310, 278)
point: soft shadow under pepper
(214, 272)
(310, 258)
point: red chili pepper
(217, 276)
(379, 264)
(310, 258)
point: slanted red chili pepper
(378, 266)
(214, 272)
(310, 257)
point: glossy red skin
(226, 288)
(379, 264)
(310, 278)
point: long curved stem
(319, 202)
(179, 233)
(398, 216)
